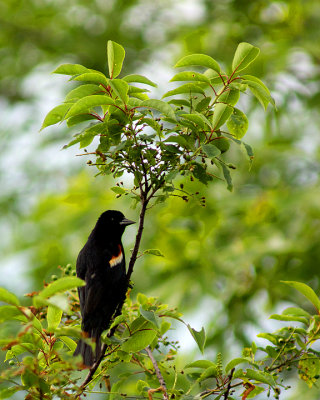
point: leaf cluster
(39, 356)
(156, 140)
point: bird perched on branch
(101, 263)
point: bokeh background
(223, 263)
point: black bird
(101, 263)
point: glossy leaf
(149, 316)
(221, 114)
(61, 285)
(56, 115)
(233, 363)
(10, 312)
(116, 56)
(260, 93)
(230, 97)
(160, 106)
(210, 150)
(154, 252)
(227, 176)
(71, 344)
(198, 336)
(306, 291)
(289, 318)
(54, 315)
(190, 76)
(183, 89)
(97, 77)
(211, 372)
(8, 297)
(198, 59)
(86, 104)
(139, 79)
(244, 56)
(204, 364)
(83, 91)
(139, 340)
(71, 69)
(238, 123)
(196, 119)
(260, 377)
(120, 89)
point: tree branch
(226, 395)
(158, 373)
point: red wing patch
(115, 260)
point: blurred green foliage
(230, 254)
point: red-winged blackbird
(101, 264)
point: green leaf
(149, 316)
(139, 341)
(120, 89)
(289, 318)
(71, 69)
(154, 252)
(222, 143)
(203, 104)
(186, 88)
(227, 176)
(61, 285)
(238, 123)
(299, 312)
(118, 190)
(11, 313)
(306, 291)
(221, 114)
(71, 344)
(139, 79)
(57, 114)
(260, 93)
(260, 377)
(160, 106)
(54, 315)
(198, 336)
(190, 76)
(210, 150)
(256, 80)
(78, 119)
(249, 151)
(204, 364)
(141, 385)
(83, 91)
(230, 97)
(200, 173)
(116, 56)
(244, 56)
(211, 372)
(86, 104)
(134, 89)
(8, 297)
(233, 363)
(198, 119)
(198, 59)
(270, 337)
(6, 393)
(179, 102)
(97, 77)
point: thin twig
(158, 373)
(226, 395)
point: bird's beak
(126, 222)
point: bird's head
(113, 222)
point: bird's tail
(89, 355)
